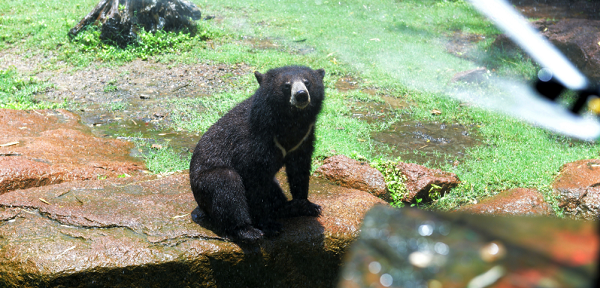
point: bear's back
(225, 140)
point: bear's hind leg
(221, 193)
(267, 204)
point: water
(422, 142)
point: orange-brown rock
(354, 174)
(519, 201)
(47, 147)
(138, 232)
(422, 182)
(578, 186)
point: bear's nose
(301, 97)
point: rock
(519, 201)
(138, 232)
(578, 188)
(354, 174)
(578, 40)
(401, 247)
(471, 76)
(421, 180)
(52, 147)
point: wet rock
(578, 188)
(558, 9)
(471, 76)
(578, 40)
(519, 201)
(418, 248)
(50, 147)
(423, 182)
(138, 232)
(354, 174)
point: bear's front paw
(310, 209)
(301, 207)
(247, 234)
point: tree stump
(121, 20)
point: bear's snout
(300, 96)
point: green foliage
(16, 92)
(110, 88)
(117, 106)
(394, 179)
(149, 44)
(418, 201)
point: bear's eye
(306, 83)
(287, 86)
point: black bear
(232, 172)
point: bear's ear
(259, 77)
(321, 72)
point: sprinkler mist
(538, 104)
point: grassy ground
(16, 92)
(396, 48)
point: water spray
(558, 75)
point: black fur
(232, 172)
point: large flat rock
(139, 232)
(46, 147)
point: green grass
(515, 155)
(16, 92)
(395, 47)
(166, 160)
(117, 106)
(161, 158)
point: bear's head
(294, 86)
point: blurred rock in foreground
(415, 248)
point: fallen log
(122, 20)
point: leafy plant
(110, 88)
(419, 200)
(148, 44)
(394, 179)
(117, 106)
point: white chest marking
(295, 147)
